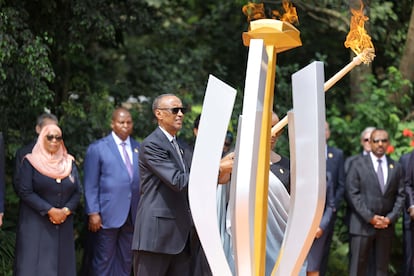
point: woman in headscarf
(49, 192)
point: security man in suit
(407, 161)
(335, 168)
(375, 191)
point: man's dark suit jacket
(2, 173)
(163, 222)
(407, 160)
(335, 166)
(366, 199)
(20, 154)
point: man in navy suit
(375, 191)
(2, 178)
(407, 161)
(366, 146)
(111, 195)
(335, 168)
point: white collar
(118, 140)
(169, 136)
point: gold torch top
(279, 33)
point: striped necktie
(177, 149)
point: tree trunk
(406, 66)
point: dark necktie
(127, 160)
(380, 175)
(177, 149)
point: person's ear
(158, 114)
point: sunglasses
(175, 110)
(56, 137)
(376, 141)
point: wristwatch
(66, 210)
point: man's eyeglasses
(376, 141)
(56, 137)
(366, 139)
(175, 110)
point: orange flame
(255, 11)
(290, 14)
(358, 39)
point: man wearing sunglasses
(164, 235)
(375, 192)
(366, 146)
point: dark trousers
(361, 250)
(147, 263)
(327, 246)
(88, 244)
(408, 245)
(112, 253)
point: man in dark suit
(375, 192)
(164, 226)
(366, 146)
(407, 162)
(165, 241)
(2, 178)
(43, 120)
(111, 181)
(335, 168)
(366, 149)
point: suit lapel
(170, 147)
(135, 152)
(391, 171)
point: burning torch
(360, 43)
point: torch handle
(278, 127)
(355, 61)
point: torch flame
(358, 39)
(290, 14)
(255, 11)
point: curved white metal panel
(308, 167)
(247, 156)
(214, 120)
